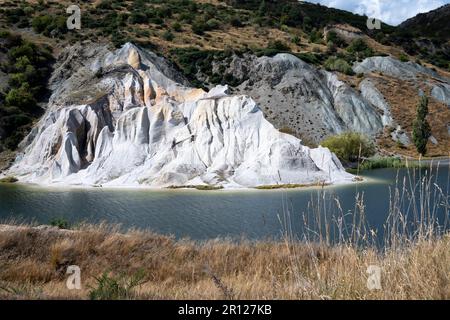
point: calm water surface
(202, 215)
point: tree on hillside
(421, 128)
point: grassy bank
(139, 265)
(386, 162)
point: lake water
(210, 214)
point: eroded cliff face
(126, 118)
(380, 102)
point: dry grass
(33, 264)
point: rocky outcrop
(344, 31)
(126, 118)
(311, 102)
(370, 92)
(440, 86)
(394, 68)
(441, 92)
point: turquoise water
(205, 215)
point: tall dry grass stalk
(409, 251)
(329, 260)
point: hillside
(433, 24)
(427, 35)
(337, 77)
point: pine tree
(421, 128)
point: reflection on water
(199, 215)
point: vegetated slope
(24, 70)
(433, 24)
(428, 36)
(301, 14)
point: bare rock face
(313, 103)
(440, 86)
(441, 92)
(370, 92)
(393, 67)
(346, 32)
(126, 118)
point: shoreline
(263, 188)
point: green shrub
(21, 98)
(316, 37)
(28, 11)
(296, 40)
(357, 45)
(212, 24)
(359, 49)
(235, 21)
(138, 17)
(60, 223)
(22, 63)
(350, 146)
(167, 35)
(110, 287)
(187, 17)
(28, 71)
(118, 39)
(16, 80)
(47, 24)
(337, 64)
(403, 58)
(177, 27)
(105, 5)
(278, 45)
(41, 23)
(333, 37)
(14, 15)
(199, 27)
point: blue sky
(390, 11)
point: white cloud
(393, 12)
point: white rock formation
(123, 118)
